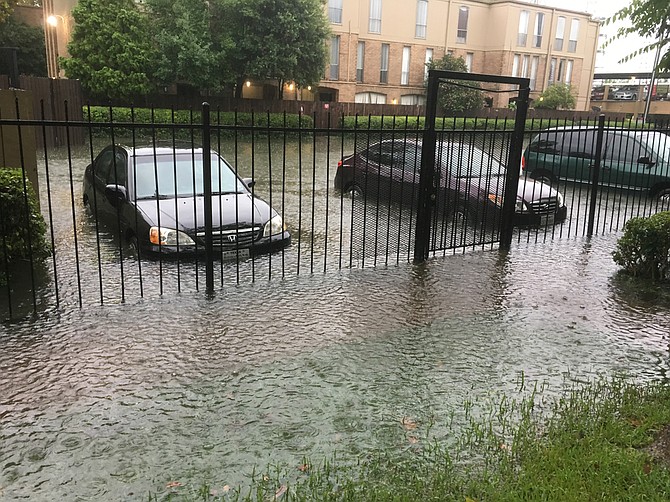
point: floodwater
(116, 401)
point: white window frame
(404, 75)
(375, 25)
(534, 64)
(429, 58)
(374, 98)
(515, 65)
(574, 34)
(360, 61)
(384, 64)
(552, 71)
(525, 62)
(539, 28)
(568, 71)
(335, 11)
(522, 36)
(462, 27)
(469, 58)
(421, 18)
(334, 73)
(560, 33)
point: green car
(637, 160)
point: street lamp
(52, 36)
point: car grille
(544, 206)
(234, 238)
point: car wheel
(353, 191)
(634, 97)
(663, 198)
(461, 218)
(544, 177)
(134, 245)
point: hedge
(644, 248)
(22, 227)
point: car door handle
(591, 166)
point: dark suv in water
(631, 159)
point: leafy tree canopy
(277, 39)
(647, 18)
(30, 43)
(110, 49)
(556, 97)
(456, 96)
(183, 45)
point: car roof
(151, 150)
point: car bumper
(263, 245)
(532, 219)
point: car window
(580, 143)
(408, 159)
(547, 143)
(182, 175)
(624, 148)
(467, 161)
(658, 144)
(118, 172)
(382, 153)
(103, 166)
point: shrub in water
(22, 227)
(644, 248)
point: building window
(335, 11)
(360, 61)
(539, 27)
(515, 65)
(421, 18)
(371, 98)
(574, 33)
(375, 16)
(404, 77)
(523, 28)
(384, 67)
(533, 72)
(560, 33)
(568, 72)
(468, 61)
(335, 57)
(524, 66)
(413, 99)
(462, 32)
(561, 68)
(552, 71)
(429, 58)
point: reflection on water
(113, 401)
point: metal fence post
(513, 166)
(426, 196)
(596, 174)
(207, 180)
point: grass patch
(594, 443)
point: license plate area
(235, 254)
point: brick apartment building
(379, 48)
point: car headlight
(274, 226)
(520, 206)
(169, 237)
(496, 199)
(559, 198)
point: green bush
(224, 123)
(644, 248)
(22, 227)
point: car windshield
(467, 161)
(181, 175)
(658, 142)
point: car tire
(353, 191)
(544, 177)
(634, 98)
(662, 197)
(134, 245)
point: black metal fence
(347, 195)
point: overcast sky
(609, 60)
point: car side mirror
(646, 161)
(249, 182)
(116, 194)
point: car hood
(530, 190)
(188, 213)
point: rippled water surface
(113, 402)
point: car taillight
(523, 162)
(339, 163)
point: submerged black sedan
(155, 196)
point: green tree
(456, 96)
(111, 52)
(556, 97)
(282, 40)
(30, 43)
(647, 18)
(181, 31)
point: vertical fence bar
(596, 173)
(207, 175)
(426, 196)
(513, 166)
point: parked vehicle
(156, 196)
(470, 181)
(598, 93)
(628, 92)
(631, 159)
